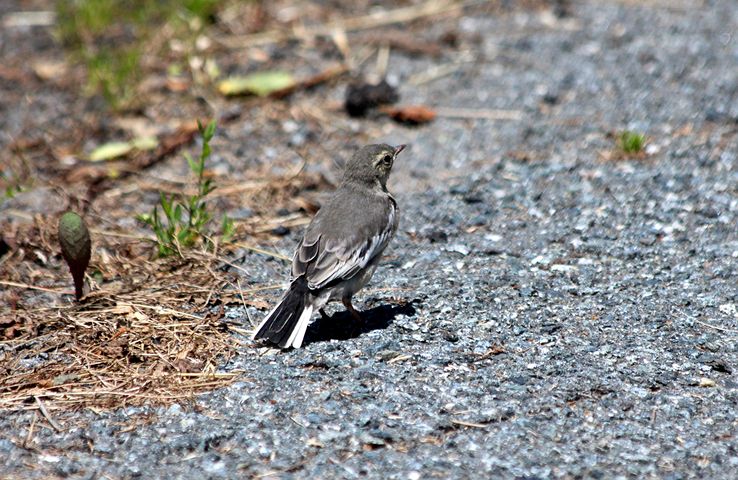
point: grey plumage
(340, 248)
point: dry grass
(148, 332)
(136, 340)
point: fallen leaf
(109, 151)
(49, 70)
(261, 83)
(413, 114)
(145, 143)
(706, 382)
(112, 150)
(177, 84)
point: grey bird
(340, 249)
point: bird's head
(372, 164)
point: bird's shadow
(342, 325)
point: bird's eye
(387, 159)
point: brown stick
(46, 415)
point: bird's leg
(323, 315)
(352, 311)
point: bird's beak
(399, 148)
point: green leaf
(261, 83)
(182, 236)
(207, 187)
(192, 204)
(155, 218)
(191, 162)
(227, 228)
(109, 151)
(166, 205)
(209, 131)
(200, 219)
(162, 235)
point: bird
(340, 248)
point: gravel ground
(548, 308)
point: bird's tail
(286, 324)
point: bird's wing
(324, 259)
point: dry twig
(363, 22)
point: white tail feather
(302, 326)
(298, 333)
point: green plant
(110, 37)
(227, 228)
(185, 219)
(114, 73)
(12, 190)
(11, 184)
(632, 142)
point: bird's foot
(358, 320)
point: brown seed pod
(76, 247)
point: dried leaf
(109, 151)
(145, 143)
(112, 150)
(261, 83)
(707, 382)
(177, 84)
(49, 69)
(414, 114)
